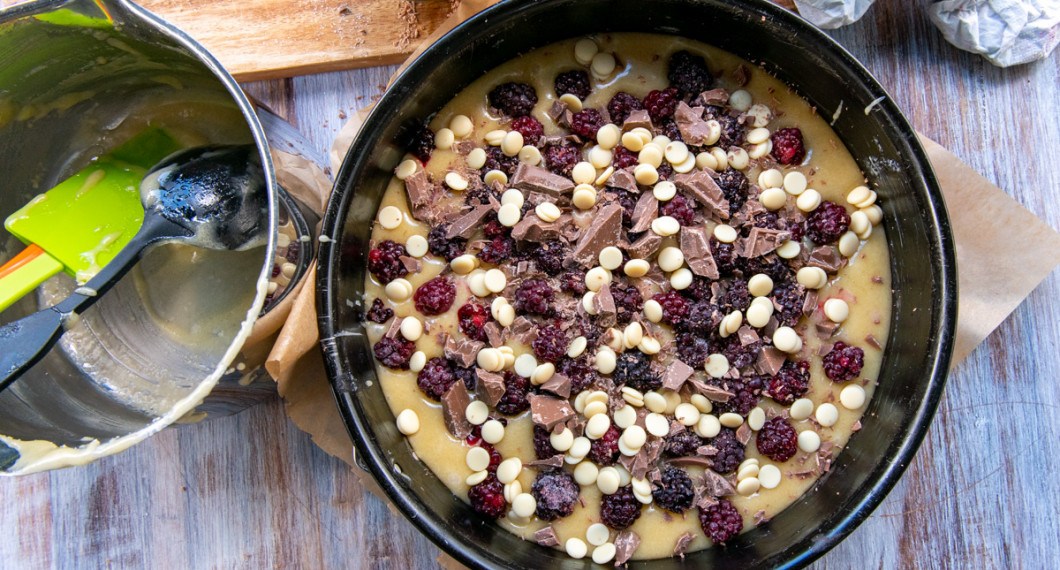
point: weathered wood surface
(252, 491)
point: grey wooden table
(252, 491)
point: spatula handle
(24, 272)
(25, 341)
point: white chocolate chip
(417, 361)
(456, 181)
(738, 159)
(756, 418)
(801, 409)
(398, 290)
(859, 194)
(599, 157)
(646, 174)
(789, 249)
(637, 268)
(505, 315)
(747, 469)
(773, 198)
(835, 309)
(603, 64)
(464, 264)
(597, 534)
(852, 397)
(653, 311)
(595, 408)
(740, 100)
(577, 347)
(625, 417)
(649, 345)
(809, 200)
(688, 165)
(760, 285)
(827, 414)
(509, 215)
(583, 173)
(757, 136)
(761, 114)
(771, 178)
(608, 480)
(408, 422)
(657, 424)
(849, 244)
(748, 486)
(671, 258)
(530, 155)
(759, 312)
(495, 280)
(512, 196)
(512, 143)
(525, 365)
(650, 155)
(811, 277)
(390, 217)
(706, 160)
(411, 328)
(655, 402)
(610, 257)
(405, 169)
(634, 437)
(731, 420)
(476, 159)
(542, 373)
(687, 414)
(524, 505)
(725, 233)
(809, 441)
(664, 190)
(730, 324)
(509, 469)
(476, 478)
(495, 177)
(576, 547)
(614, 340)
(665, 226)
(495, 137)
(477, 459)
(598, 424)
(547, 211)
(584, 196)
(874, 213)
(461, 126)
(721, 157)
(702, 403)
(587, 302)
(608, 136)
(417, 245)
(490, 359)
(492, 431)
(563, 440)
(633, 334)
(512, 490)
(769, 476)
(681, 279)
(859, 222)
(444, 139)
(632, 141)
(676, 152)
(586, 473)
(573, 103)
(661, 141)
(787, 340)
(795, 183)
(606, 360)
(596, 278)
(708, 426)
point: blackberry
(701, 289)
(513, 99)
(549, 256)
(621, 105)
(379, 313)
(747, 392)
(589, 330)
(442, 246)
(579, 372)
(472, 317)
(736, 297)
(790, 382)
(622, 157)
(674, 306)
(542, 446)
(575, 82)
(435, 296)
(469, 378)
(731, 131)
(720, 521)
(680, 208)
(770, 265)
(788, 147)
(293, 249)
(384, 261)
(515, 400)
(724, 256)
(674, 492)
(682, 443)
(550, 345)
(586, 122)
(661, 104)
(633, 369)
(530, 128)
(791, 297)
(604, 451)
(556, 493)
(497, 160)
(688, 74)
(628, 201)
(497, 250)
(777, 440)
(560, 158)
(422, 144)
(487, 498)
(843, 362)
(573, 282)
(534, 296)
(734, 186)
(731, 452)
(394, 352)
(628, 302)
(621, 509)
(668, 126)
(827, 223)
(692, 349)
(702, 318)
(436, 377)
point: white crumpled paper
(1005, 32)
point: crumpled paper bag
(831, 14)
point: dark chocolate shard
(546, 537)
(705, 190)
(462, 350)
(676, 374)
(549, 411)
(692, 461)
(626, 544)
(537, 179)
(454, 410)
(604, 230)
(490, 387)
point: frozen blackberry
(720, 521)
(384, 262)
(827, 223)
(549, 256)
(674, 306)
(628, 201)
(777, 440)
(394, 352)
(497, 160)
(472, 319)
(628, 302)
(622, 157)
(530, 128)
(575, 82)
(621, 509)
(791, 297)
(724, 256)
(734, 185)
(661, 104)
(633, 369)
(534, 296)
(379, 312)
(448, 248)
(680, 208)
(682, 443)
(731, 131)
(702, 318)
(436, 377)
(515, 399)
(731, 452)
(790, 382)
(621, 105)
(688, 74)
(747, 391)
(556, 493)
(771, 265)
(497, 250)
(422, 144)
(435, 296)
(674, 492)
(586, 122)
(573, 282)
(579, 372)
(701, 289)
(788, 147)
(736, 297)
(487, 498)
(843, 363)
(513, 99)
(668, 126)
(604, 451)
(550, 345)
(542, 445)
(561, 158)
(692, 349)
(469, 378)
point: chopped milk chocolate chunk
(717, 485)
(747, 335)
(394, 329)
(467, 224)
(412, 265)
(741, 75)
(624, 179)
(536, 179)
(828, 258)
(676, 374)
(604, 303)
(762, 241)
(760, 517)
(550, 463)
(696, 246)
(743, 433)
(693, 461)
(556, 111)
(533, 228)
(494, 334)
(645, 212)
(645, 245)
(713, 393)
(454, 410)
(694, 130)
(769, 360)
(546, 537)
(826, 329)
(423, 195)
(604, 230)
(809, 303)
(705, 190)
(637, 118)
(490, 387)
(558, 384)
(714, 97)
(523, 330)
(464, 148)
(549, 411)
(682, 544)
(626, 544)
(462, 350)
(873, 342)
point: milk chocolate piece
(421, 191)
(694, 130)
(747, 335)
(523, 330)
(873, 342)
(494, 334)
(534, 178)
(743, 433)
(762, 241)
(637, 118)
(545, 464)
(826, 329)
(695, 245)
(682, 544)
(533, 228)
(828, 258)
(760, 517)
(713, 393)
(714, 97)
(624, 179)
(645, 245)
(463, 350)
(549, 411)
(717, 485)
(464, 148)
(741, 75)
(394, 328)
(705, 190)
(546, 537)
(490, 387)
(556, 110)
(676, 374)
(626, 544)
(465, 225)
(809, 302)
(693, 461)
(454, 410)
(412, 265)
(644, 213)
(604, 230)
(604, 303)
(558, 384)
(770, 360)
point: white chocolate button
(495, 177)
(769, 476)
(547, 211)
(852, 397)
(760, 285)
(496, 280)
(773, 198)
(390, 217)
(461, 126)
(687, 414)
(748, 486)
(664, 190)
(580, 448)
(405, 169)
(476, 478)
(730, 324)
(490, 359)
(411, 328)
(456, 181)
(577, 346)
(477, 412)
(811, 277)
(787, 340)
(771, 178)
(583, 173)
(717, 365)
(603, 64)
(795, 183)
(634, 437)
(398, 290)
(756, 418)
(408, 422)
(676, 152)
(495, 137)
(417, 361)
(524, 505)
(417, 245)
(584, 197)
(586, 473)
(505, 315)
(681, 279)
(650, 155)
(738, 159)
(701, 403)
(827, 414)
(599, 157)
(530, 155)
(858, 195)
(573, 103)
(637, 268)
(757, 136)
(598, 424)
(836, 310)
(476, 159)
(594, 408)
(608, 136)
(801, 409)
(606, 360)
(747, 469)
(789, 249)
(708, 426)
(625, 417)
(809, 200)
(512, 143)
(874, 214)
(604, 553)
(587, 302)
(652, 309)
(512, 196)
(849, 244)
(671, 258)
(576, 547)
(665, 226)
(859, 222)
(444, 139)
(761, 114)
(509, 469)
(725, 233)
(610, 257)
(633, 334)
(731, 420)
(477, 459)
(563, 440)
(705, 160)
(759, 312)
(542, 373)
(655, 402)
(596, 278)
(809, 441)
(509, 215)
(740, 100)
(608, 480)
(646, 174)
(492, 431)
(597, 534)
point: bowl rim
(879, 482)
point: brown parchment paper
(1015, 244)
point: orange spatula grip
(24, 272)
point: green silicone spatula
(84, 221)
